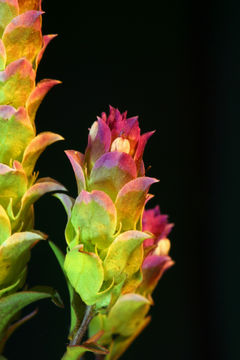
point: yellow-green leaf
(85, 273)
(16, 83)
(121, 343)
(16, 133)
(13, 183)
(10, 305)
(5, 225)
(126, 314)
(125, 255)
(94, 217)
(14, 255)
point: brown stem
(83, 327)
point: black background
(179, 71)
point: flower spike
(117, 251)
(21, 48)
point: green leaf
(5, 225)
(97, 324)
(94, 217)
(16, 285)
(55, 297)
(58, 253)
(125, 255)
(12, 328)
(75, 301)
(126, 314)
(13, 183)
(14, 255)
(12, 304)
(16, 133)
(85, 273)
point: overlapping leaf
(111, 172)
(85, 273)
(125, 255)
(16, 133)
(22, 37)
(94, 217)
(16, 83)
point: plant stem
(83, 327)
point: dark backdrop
(179, 71)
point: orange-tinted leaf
(8, 10)
(75, 159)
(25, 5)
(36, 147)
(37, 96)
(23, 37)
(46, 41)
(130, 201)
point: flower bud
(163, 247)
(120, 144)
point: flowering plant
(116, 249)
